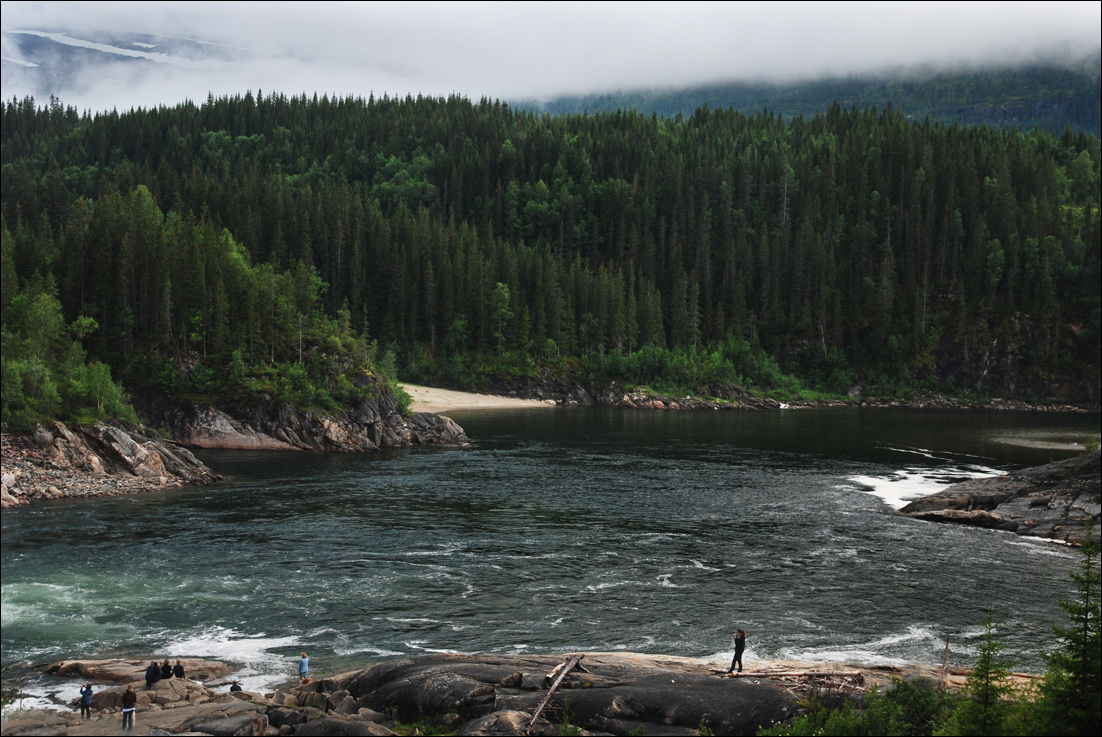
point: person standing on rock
(303, 666)
(86, 700)
(152, 675)
(740, 646)
(129, 703)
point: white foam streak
(915, 482)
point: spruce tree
(985, 708)
(1071, 696)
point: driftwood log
(562, 670)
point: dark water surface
(558, 530)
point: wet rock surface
(1053, 501)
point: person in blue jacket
(86, 700)
(303, 666)
(152, 675)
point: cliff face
(1053, 501)
(262, 422)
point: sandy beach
(431, 399)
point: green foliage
(1092, 444)
(854, 246)
(566, 726)
(986, 706)
(45, 373)
(1071, 694)
(905, 708)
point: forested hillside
(237, 242)
(1052, 97)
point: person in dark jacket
(740, 646)
(152, 675)
(86, 700)
(178, 670)
(129, 703)
(166, 670)
(234, 687)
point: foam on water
(262, 669)
(914, 482)
(881, 651)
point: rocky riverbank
(609, 693)
(263, 422)
(56, 462)
(1054, 501)
(731, 397)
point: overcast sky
(537, 50)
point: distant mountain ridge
(58, 62)
(1051, 96)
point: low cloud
(534, 50)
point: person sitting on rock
(166, 670)
(235, 686)
(178, 670)
(152, 675)
(86, 700)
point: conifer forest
(255, 242)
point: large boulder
(118, 670)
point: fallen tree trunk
(563, 670)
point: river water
(558, 530)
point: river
(558, 530)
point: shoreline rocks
(263, 422)
(1053, 501)
(615, 693)
(731, 397)
(57, 462)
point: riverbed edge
(612, 693)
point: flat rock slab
(620, 693)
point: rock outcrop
(1053, 501)
(264, 422)
(132, 670)
(619, 693)
(102, 460)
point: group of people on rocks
(155, 673)
(162, 672)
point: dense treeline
(1052, 97)
(855, 245)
